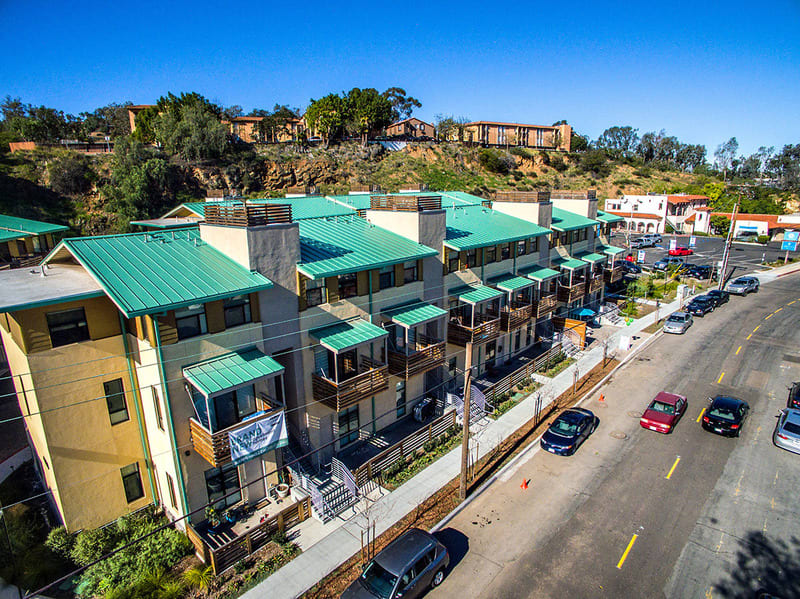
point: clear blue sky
(704, 71)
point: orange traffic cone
(602, 398)
(524, 484)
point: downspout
(168, 405)
(137, 400)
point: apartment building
(654, 213)
(498, 134)
(23, 242)
(245, 128)
(411, 129)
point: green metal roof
(539, 273)
(591, 257)
(608, 218)
(344, 244)
(348, 334)
(611, 250)
(569, 264)
(231, 370)
(309, 206)
(475, 295)
(459, 198)
(145, 273)
(510, 282)
(412, 314)
(564, 220)
(199, 208)
(470, 227)
(357, 201)
(13, 227)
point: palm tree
(199, 577)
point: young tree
(327, 117)
(724, 155)
(368, 112)
(619, 141)
(402, 105)
(450, 128)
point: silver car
(743, 285)
(787, 433)
(678, 322)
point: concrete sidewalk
(321, 558)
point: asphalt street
(639, 514)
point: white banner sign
(673, 243)
(255, 439)
(692, 241)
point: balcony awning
(475, 295)
(413, 314)
(569, 263)
(231, 370)
(512, 282)
(348, 334)
(539, 273)
(610, 250)
(591, 257)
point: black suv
(700, 306)
(702, 272)
(718, 297)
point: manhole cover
(633, 414)
(618, 435)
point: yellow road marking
(750, 335)
(738, 486)
(755, 329)
(703, 411)
(719, 380)
(791, 302)
(776, 478)
(772, 503)
(738, 350)
(778, 310)
(709, 594)
(627, 551)
(770, 316)
(671, 470)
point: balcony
(215, 448)
(248, 215)
(595, 284)
(372, 379)
(487, 327)
(545, 305)
(429, 354)
(514, 316)
(612, 275)
(568, 294)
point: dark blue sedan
(568, 431)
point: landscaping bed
(441, 503)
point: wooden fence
(375, 466)
(520, 375)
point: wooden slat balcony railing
(428, 354)
(570, 294)
(522, 196)
(487, 327)
(612, 275)
(418, 203)
(594, 285)
(514, 316)
(215, 448)
(545, 305)
(248, 215)
(373, 379)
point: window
(348, 285)
(233, 407)
(67, 326)
(237, 310)
(115, 400)
(348, 425)
(529, 334)
(451, 368)
(521, 248)
(410, 272)
(472, 258)
(534, 245)
(221, 482)
(316, 293)
(171, 490)
(452, 260)
(400, 397)
(490, 254)
(191, 321)
(157, 408)
(132, 481)
(505, 251)
(386, 277)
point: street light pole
(727, 251)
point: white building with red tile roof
(654, 213)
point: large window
(233, 407)
(67, 326)
(472, 258)
(222, 481)
(132, 481)
(191, 321)
(400, 397)
(315, 293)
(237, 310)
(452, 260)
(410, 272)
(386, 277)
(348, 285)
(505, 251)
(348, 425)
(534, 245)
(521, 249)
(115, 400)
(490, 254)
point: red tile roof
(684, 199)
(770, 219)
(635, 214)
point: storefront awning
(511, 283)
(475, 295)
(569, 263)
(413, 314)
(539, 273)
(348, 334)
(231, 370)
(591, 257)
(610, 250)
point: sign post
(692, 241)
(790, 239)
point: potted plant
(282, 490)
(212, 516)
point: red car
(681, 251)
(664, 412)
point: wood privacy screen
(248, 216)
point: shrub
(395, 468)
(496, 163)
(546, 158)
(557, 162)
(763, 239)
(60, 541)
(199, 577)
(517, 151)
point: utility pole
(727, 252)
(462, 492)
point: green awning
(231, 370)
(564, 220)
(610, 250)
(591, 257)
(608, 218)
(511, 282)
(475, 295)
(539, 273)
(346, 335)
(413, 314)
(569, 264)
